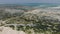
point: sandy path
(7, 30)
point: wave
(48, 6)
(58, 7)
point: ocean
(41, 4)
(35, 5)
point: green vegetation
(43, 24)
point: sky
(29, 1)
